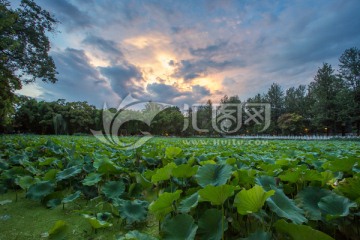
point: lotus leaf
(212, 174)
(252, 200)
(181, 226)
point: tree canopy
(24, 50)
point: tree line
(328, 105)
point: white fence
(307, 137)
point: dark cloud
(200, 91)
(191, 69)
(161, 92)
(68, 14)
(78, 80)
(106, 46)
(209, 50)
(124, 79)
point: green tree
(251, 127)
(204, 118)
(291, 123)
(295, 100)
(275, 96)
(350, 73)
(24, 49)
(325, 90)
(80, 117)
(169, 121)
(231, 103)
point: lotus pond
(62, 187)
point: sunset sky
(189, 51)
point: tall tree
(227, 113)
(325, 89)
(295, 100)
(350, 73)
(275, 96)
(24, 49)
(203, 120)
(252, 127)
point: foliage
(24, 48)
(233, 191)
(252, 200)
(180, 227)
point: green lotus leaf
(163, 174)
(46, 161)
(113, 189)
(341, 164)
(105, 166)
(291, 175)
(184, 171)
(133, 211)
(300, 232)
(71, 197)
(258, 235)
(50, 175)
(19, 159)
(211, 174)
(136, 235)
(216, 194)
(309, 198)
(25, 182)
(266, 182)
(172, 152)
(40, 190)
(181, 226)
(188, 203)
(143, 181)
(203, 163)
(326, 176)
(285, 207)
(59, 230)
(96, 223)
(311, 175)
(53, 203)
(150, 161)
(3, 165)
(68, 173)
(53, 200)
(334, 206)
(245, 177)
(350, 187)
(212, 225)
(252, 200)
(92, 179)
(164, 204)
(13, 172)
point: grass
(27, 219)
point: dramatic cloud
(78, 80)
(161, 92)
(68, 14)
(106, 47)
(124, 79)
(190, 51)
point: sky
(185, 51)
